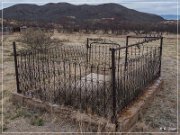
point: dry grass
(163, 110)
(161, 113)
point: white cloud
(156, 8)
(88, 1)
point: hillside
(61, 12)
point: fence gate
(98, 50)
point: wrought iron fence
(101, 77)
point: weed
(37, 121)
(5, 128)
(21, 113)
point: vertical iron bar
(104, 86)
(160, 56)
(54, 74)
(97, 92)
(86, 99)
(114, 119)
(65, 79)
(87, 47)
(16, 67)
(80, 77)
(75, 75)
(126, 53)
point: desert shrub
(37, 39)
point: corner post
(113, 68)
(87, 47)
(126, 53)
(16, 67)
(160, 55)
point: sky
(160, 7)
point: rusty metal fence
(100, 78)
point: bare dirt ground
(162, 113)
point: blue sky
(161, 7)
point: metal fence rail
(141, 66)
(101, 78)
(62, 76)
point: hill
(62, 12)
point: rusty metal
(16, 67)
(100, 77)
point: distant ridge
(59, 12)
(171, 17)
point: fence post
(16, 67)
(87, 47)
(113, 68)
(126, 53)
(160, 55)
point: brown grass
(163, 110)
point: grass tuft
(37, 121)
